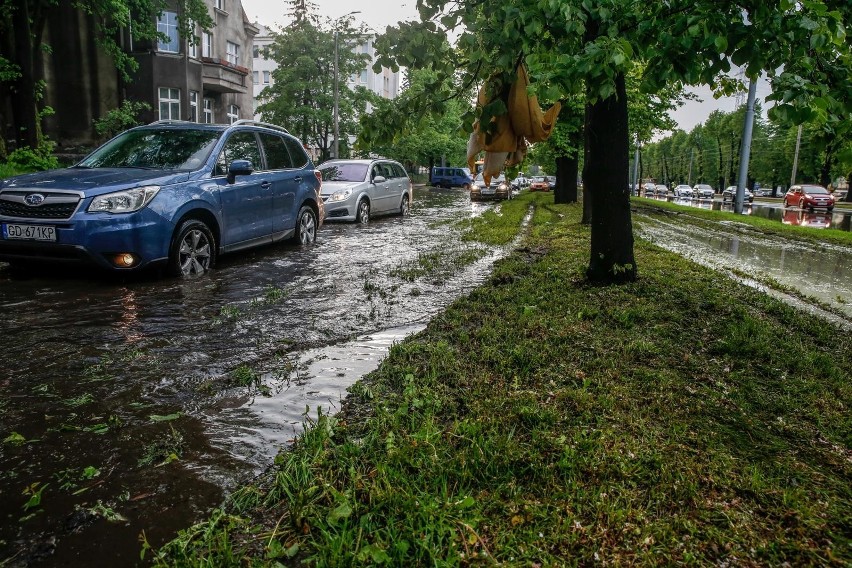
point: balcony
(220, 76)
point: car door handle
(266, 185)
(298, 179)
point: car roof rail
(245, 121)
(172, 121)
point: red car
(809, 197)
(539, 183)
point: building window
(208, 111)
(364, 76)
(167, 24)
(255, 51)
(219, 4)
(233, 114)
(193, 106)
(255, 77)
(266, 77)
(192, 47)
(169, 103)
(233, 53)
(206, 44)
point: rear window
(277, 155)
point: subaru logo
(34, 199)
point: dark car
(171, 193)
(498, 189)
(730, 193)
(809, 197)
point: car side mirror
(379, 179)
(239, 168)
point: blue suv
(170, 193)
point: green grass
(541, 421)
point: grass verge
(682, 418)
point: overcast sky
(378, 14)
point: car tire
(405, 206)
(193, 250)
(362, 212)
(306, 226)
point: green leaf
(165, 418)
(14, 439)
(342, 511)
(721, 43)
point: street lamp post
(336, 146)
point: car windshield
(344, 172)
(539, 179)
(701, 186)
(156, 149)
(814, 189)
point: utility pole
(636, 169)
(745, 151)
(689, 175)
(336, 117)
(796, 157)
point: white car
(703, 191)
(356, 190)
(682, 191)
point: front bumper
(95, 239)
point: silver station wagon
(356, 190)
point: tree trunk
(23, 89)
(606, 176)
(587, 198)
(566, 179)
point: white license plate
(29, 232)
(487, 191)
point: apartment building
(206, 80)
(385, 84)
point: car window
(167, 149)
(400, 171)
(298, 155)
(239, 146)
(343, 171)
(277, 155)
(379, 170)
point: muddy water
(823, 272)
(132, 406)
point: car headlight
(126, 201)
(340, 195)
(503, 186)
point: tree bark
(606, 176)
(24, 109)
(566, 179)
(587, 198)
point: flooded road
(136, 406)
(820, 271)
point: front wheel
(362, 214)
(193, 250)
(405, 206)
(802, 203)
(306, 226)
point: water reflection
(819, 271)
(837, 219)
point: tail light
(318, 175)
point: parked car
(731, 193)
(539, 183)
(451, 177)
(356, 190)
(660, 189)
(682, 191)
(497, 189)
(520, 182)
(171, 193)
(703, 191)
(762, 192)
(809, 197)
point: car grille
(55, 205)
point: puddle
(102, 376)
(820, 271)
